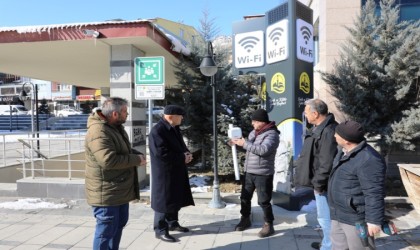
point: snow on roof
(47, 28)
(177, 45)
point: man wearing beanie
(261, 148)
(314, 163)
(356, 189)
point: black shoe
(316, 245)
(243, 224)
(165, 237)
(178, 228)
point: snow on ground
(198, 184)
(31, 203)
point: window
(409, 9)
(410, 12)
(8, 91)
(181, 33)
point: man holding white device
(261, 148)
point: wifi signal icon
(306, 33)
(249, 42)
(275, 35)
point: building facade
(331, 17)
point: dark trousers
(162, 221)
(264, 186)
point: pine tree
(194, 92)
(240, 100)
(376, 78)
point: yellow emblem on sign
(278, 83)
(304, 83)
(263, 93)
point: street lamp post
(23, 96)
(208, 68)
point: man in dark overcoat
(170, 183)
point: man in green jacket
(111, 172)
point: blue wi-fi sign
(249, 49)
(305, 41)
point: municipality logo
(278, 83)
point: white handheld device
(235, 133)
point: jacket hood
(95, 119)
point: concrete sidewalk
(73, 228)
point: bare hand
(373, 229)
(188, 157)
(142, 160)
(239, 142)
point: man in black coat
(356, 190)
(314, 163)
(170, 183)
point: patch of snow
(199, 184)
(31, 203)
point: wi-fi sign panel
(276, 40)
(249, 49)
(305, 41)
(306, 34)
(249, 42)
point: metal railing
(60, 152)
(53, 154)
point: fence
(46, 155)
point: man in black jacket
(315, 161)
(170, 183)
(356, 189)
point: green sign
(149, 70)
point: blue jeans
(110, 222)
(323, 215)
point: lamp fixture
(91, 33)
(208, 68)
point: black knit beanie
(350, 131)
(260, 115)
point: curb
(234, 198)
(202, 197)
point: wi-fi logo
(306, 33)
(275, 35)
(249, 42)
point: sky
(46, 12)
